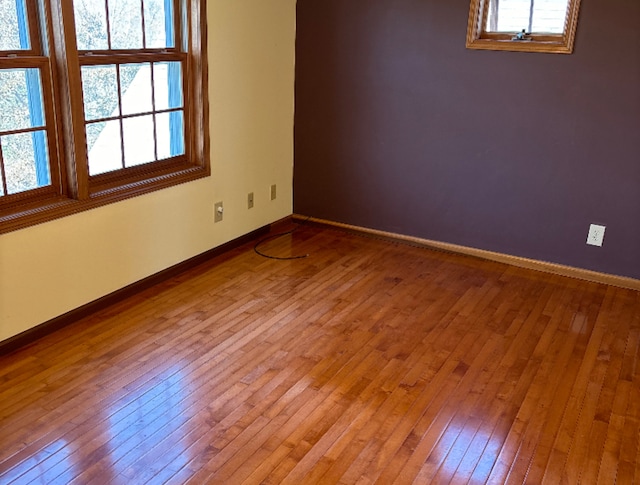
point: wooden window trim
(75, 190)
(36, 57)
(479, 38)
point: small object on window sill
(521, 36)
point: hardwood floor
(367, 362)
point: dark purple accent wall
(399, 127)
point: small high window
(523, 25)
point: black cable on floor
(275, 236)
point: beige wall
(52, 268)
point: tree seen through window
(133, 110)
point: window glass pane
(25, 167)
(125, 24)
(135, 82)
(104, 146)
(549, 16)
(538, 16)
(158, 24)
(170, 134)
(511, 15)
(91, 24)
(14, 30)
(139, 142)
(167, 81)
(21, 99)
(100, 92)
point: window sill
(548, 47)
(58, 207)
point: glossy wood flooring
(367, 362)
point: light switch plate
(218, 212)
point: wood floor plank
(553, 351)
(367, 362)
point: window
(102, 100)
(28, 164)
(523, 25)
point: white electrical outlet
(596, 235)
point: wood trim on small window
(479, 38)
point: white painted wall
(52, 268)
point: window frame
(36, 57)
(479, 38)
(72, 188)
